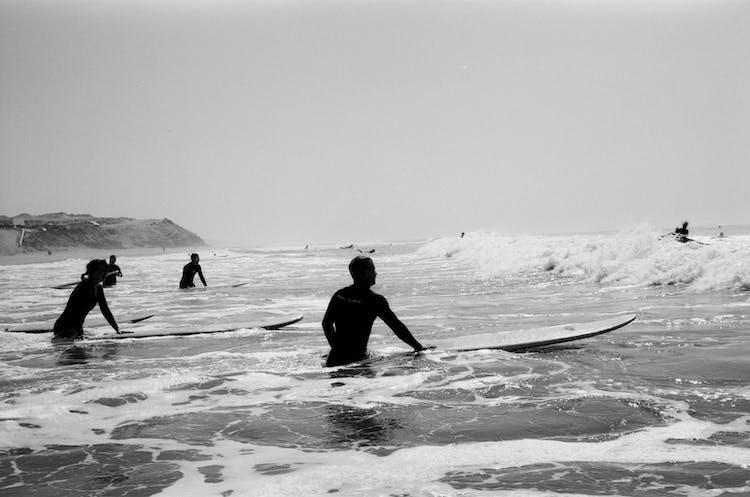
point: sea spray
(636, 256)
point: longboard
(273, 325)
(74, 283)
(34, 328)
(515, 341)
(219, 287)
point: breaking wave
(636, 256)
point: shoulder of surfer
(356, 294)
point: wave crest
(635, 256)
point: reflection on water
(72, 355)
(353, 371)
(353, 426)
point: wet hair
(93, 265)
(193, 256)
(358, 264)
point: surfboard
(66, 285)
(47, 328)
(271, 325)
(74, 283)
(515, 341)
(219, 287)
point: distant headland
(26, 233)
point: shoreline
(86, 254)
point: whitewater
(660, 407)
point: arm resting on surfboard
(105, 311)
(399, 328)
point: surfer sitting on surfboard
(348, 320)
(87, 293)
(189, 270)
(113, 271)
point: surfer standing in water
(113, 271)
(87, 293)
(189, 270)
(348, 320)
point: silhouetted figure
(462, 234)
(189, 271)
(348, 320)
(721, 232)
(681, 234)
(87, 293)
(113, 271)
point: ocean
(658, 408)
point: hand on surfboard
(425, 347)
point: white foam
(417, 471)
(638, 256)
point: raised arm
(105, 310)
(399, 328)
(328, 321)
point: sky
(294, 122)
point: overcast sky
(293, 122)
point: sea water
(660, 407)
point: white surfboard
(218, 287)
(514, 341)
(65, 286)
(268, 325)
(47, 327)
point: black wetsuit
(112, 278)
(188, 273)
(348, 322)
(681, 234)
(84, 297)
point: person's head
(194, 258)
(362, 270)
(112, 259)
(96, 270)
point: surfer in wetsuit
(189, 271)
(113, 271)
(681, 234)
(87, 293)
(348, 320)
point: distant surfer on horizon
(351, 312)
(681, 234)
(189, 271)
(85, 296)
(113, 271)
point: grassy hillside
(65, 231)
